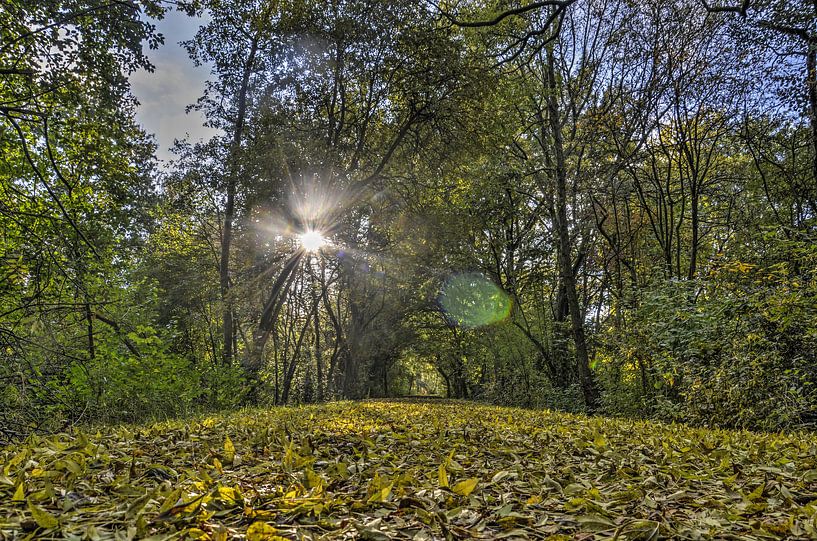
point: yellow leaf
(219, 533)
(228, 495)
(19, 494)
(217, 465)
(259, 513)
(229, 450)
(443, 476)
(261, 531)
(196, 533)
(466, 487)
(170, 501)
(756, 493)
(382, 494)
(313, 480)
(43, 518)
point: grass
(409, 470)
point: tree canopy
(589, 205)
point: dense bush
(157, 384)
(737, 349)
(119, 386)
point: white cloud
(175, 84)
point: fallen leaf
(43, 518)
(466, 487)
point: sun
(312, 241)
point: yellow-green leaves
(312, 480)
(43, 518)
(19, 493)
(380, 469)
(465, 487)
(261, 531)
(229, 450)
(756, 493)
(380, 489)
(442, 476)
(170, 501)
(382, 494)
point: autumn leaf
(229, 450)
(43, 518)
(466, 487)
(382, 494)
(261, 531)
(376, 469)
(442, 476)
(19, 494)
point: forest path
(409, 470)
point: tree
(76, 166)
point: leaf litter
(379, 470)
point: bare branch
(15, 71)
(118, 329)
(560, 5)
(789, 30)
(741, 9)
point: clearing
(409, 470)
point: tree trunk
(89, 320)
(445, 378)
(385, 379)
(254, 359)
(568, 278)
(811, 81)
(318, 353)
(695, 224)
(290, 373)
(229, 208)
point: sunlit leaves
(43, 518)
(407, 470)
(229, 450)
(466, 487)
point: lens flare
(471, 300)
(312, 241)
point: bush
(119, 386)
(736, 350)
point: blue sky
(175, 84)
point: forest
(585, 205)
(447, 269)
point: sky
(175, 84)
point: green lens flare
(471, 300)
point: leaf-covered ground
(405, 470)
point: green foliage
(734, 350)
(471, 300)
(765, 374)
(157, 384)
(550, 203)
(75, 193)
